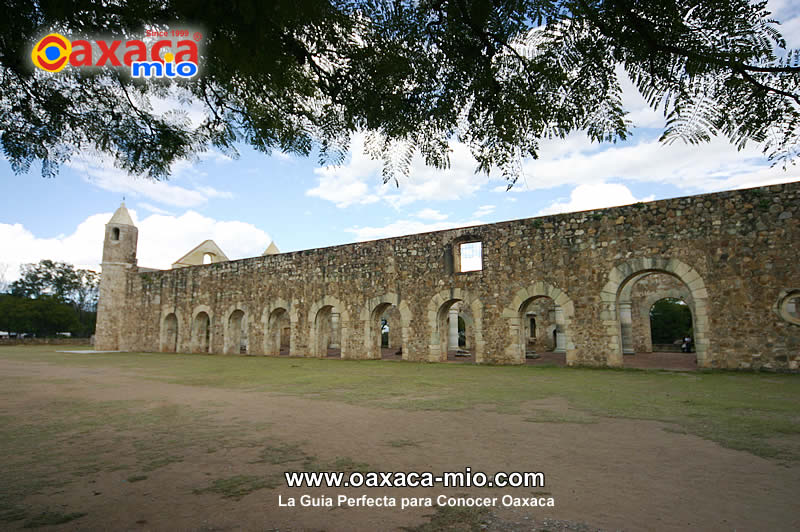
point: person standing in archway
(686, 346)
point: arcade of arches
(576, 289)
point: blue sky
(245, 203)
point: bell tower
(119, 258)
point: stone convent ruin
(580, 283)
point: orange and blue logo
(52, 52)
(148, 59)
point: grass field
(64, 421)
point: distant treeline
(49, 298)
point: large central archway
(617, 308)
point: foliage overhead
(301, 77)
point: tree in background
(51, 297)
(301, 77)
(670, 320)
(42, 317)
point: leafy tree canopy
(45, 316)
(303, 76)
(670, 320)
(58, 280)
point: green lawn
(53, 441)
(754, 412)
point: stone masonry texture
(733, 256)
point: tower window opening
(115, 233)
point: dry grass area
(163, 442)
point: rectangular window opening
(471, 257)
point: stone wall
(45, 341)
(733, 253)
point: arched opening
(671, 326)
(385, 330)
(793, 307)
(655, 309)
(456, 331)
(788, 306)
(236, 337)
(327, 333)
(443, 312)
(201, 333)
(115, 233)
(278, 333)
(539, 318)
(169, 342)
(542, 335)
(208, 258)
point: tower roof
(122, 216)
(272, 249)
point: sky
(243, 204)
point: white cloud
(98, 170)
(358, 181)
(594, 196)
(484, 210)
(83, 248)
(341, 188)
(430, 214)
(162, 240)
(575, 160)
(152, 208)
(640, 113)
(405, 227)
(704, 168)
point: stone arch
(370, 315)
(437, 311)
(317, 337)
(170, 330)
(565, 313)
(235, 335)
(465, 315)
(622, 277)
(202, 331)
(395, 321)
(786, 306)
(651, 300)
(634, 313)
(274, 320)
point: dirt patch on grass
(112, 450)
